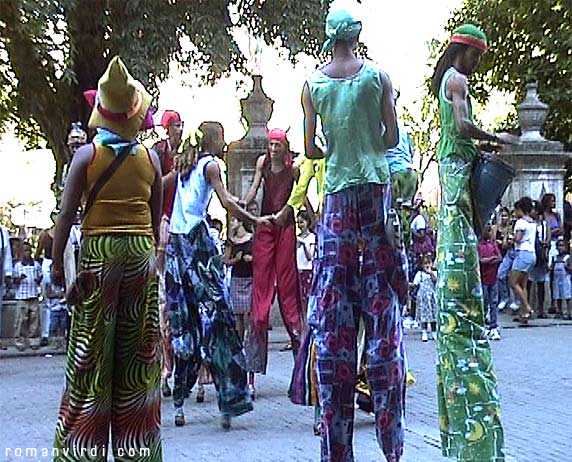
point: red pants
(274, 265)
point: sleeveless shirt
(276, 190)
(122, 204)
(451, 140)
(192, 197)
(350, 109)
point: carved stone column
(242, 154)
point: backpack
(540, 249)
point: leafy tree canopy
(53, 50)
(529, 40)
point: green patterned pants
(469, 409)
(113, 366)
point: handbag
(86, 282)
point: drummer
(461, 318)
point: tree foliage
(53, 50)
(529, 40)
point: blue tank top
(350, 109)
(192, 198)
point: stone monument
(242, 154)
(540, 163)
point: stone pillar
(242, 154)
(540, 163)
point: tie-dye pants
(113, 362)
(344, 291)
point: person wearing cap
(202, 324)
(166, 150)
(354, 100)
(470, 423)
(113, 362)
(274, 254)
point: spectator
(5, 270)
(424, 281)
(238, 255)
(567, 221)
(305, 247)
(58, 314)
(525, 236)
(421, 233)
(554, 221)
(561, 267)
(44, 256)
(27, 277)
(504, 271)
(489, 258)
(539, 275)
(502, 229)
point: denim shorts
(524, 261)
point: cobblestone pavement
(534, 366)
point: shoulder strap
(104, 178)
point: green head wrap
(469, 34)
(340, 25)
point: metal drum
(489, 179)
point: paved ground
(534, 366)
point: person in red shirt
(489, 258)
(274, 254)
(166, 150)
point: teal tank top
(350, 112)
(451, 141)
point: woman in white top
(524, 238)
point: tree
(53, 50)
(528, 40)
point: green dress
(469, 409)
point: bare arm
(457, 91)
(156, 200)
(255, 182)
(390, 137)
(74, 188)
(310, 118)
(41, 244)
(227, 200)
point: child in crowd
(561, 285)
(27, 276)
(489, 258)
(504, 271)
(424, 281)
(58, 314)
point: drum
(489, 179)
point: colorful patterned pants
(469, 409)
(274, 266)
(344, 292)
(114, 359)
(202, 324)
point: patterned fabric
(29, 287)
(241, 294)
(114, 360)
(469, 409)
(305, 287)
(167, 349)
(425, 300)
(343, 292)
(202, 324)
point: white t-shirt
(528, 229)
(301, 260)
(418, 223)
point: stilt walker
(201, 320)
(354, 101)
(274, 254)
(469, 408)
